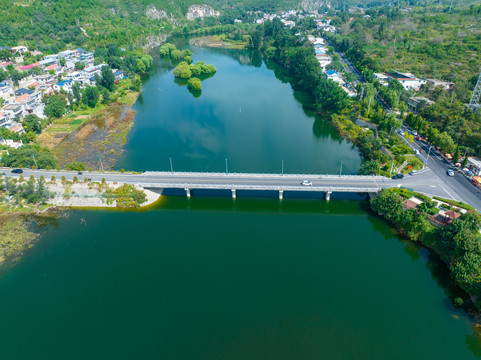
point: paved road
(426, 182)
(458, 185)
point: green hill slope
(51, 25)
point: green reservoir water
(245, 114)
(213, 278)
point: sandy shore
(88, 195)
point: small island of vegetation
(186, 69)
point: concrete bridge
(189, 181)
(326, 184)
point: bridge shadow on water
(301, 202)
(263, 194)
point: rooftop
(475, 161)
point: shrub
(194, 84)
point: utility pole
(451, 6)
(466, 152)
(101, 164)
(427, 157)
(226, 168)
(171, 168)
(35, 161)
(340, 170)
(452, 97)
(282, 171)
(392, 165)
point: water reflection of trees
(439, 273)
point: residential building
(447, 85)
(407, 80)
(332, 75)
(13, 111)
(63, 85)
(3, 119)
(6, 90)
(382, 78)
(4, 64)
(23, 91)
(19, 49)
(414, 101)
(11, 143)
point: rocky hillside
(53, 25)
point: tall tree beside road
(22, 157)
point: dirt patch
(51, 140)
(85, 131)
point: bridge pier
(328, 195)
(187, 191)
(281, 194)
(234, 194)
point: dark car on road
(398, 176)
(17, 171)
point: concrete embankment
(87, 195)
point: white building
(11, 143)
(407, 80)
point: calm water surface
(212, 278)
(244, 113)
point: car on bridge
(398, 176)
(306, 183)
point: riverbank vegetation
(457, 242)
(126, 196)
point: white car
(306, 183)
(450, 172)
(416, 151)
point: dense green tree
(77, 92)
(32, 123)
(194, 84)
(79, 65)
(56, 105)
(370, 167)
(388, 204)
(75, 166)
(91, 96)
(22, 157)
(107, 78)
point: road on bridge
(426, 182)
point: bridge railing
(214, 174)
(259, 187)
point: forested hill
(51, 25)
